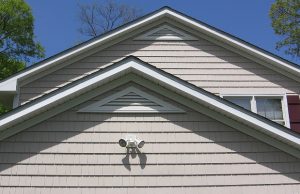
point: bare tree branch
(102, 16)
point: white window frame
(283, 98)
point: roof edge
(234, 37)
(13, 79)
(133, 64)
(10, 83)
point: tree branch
(98, 18)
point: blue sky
(56, 21)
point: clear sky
(56, 21)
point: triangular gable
(190, 95)
(131, 100)
(165, 32)
(257, 54)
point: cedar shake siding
(184, 153)
(67, 141)
(200, 62)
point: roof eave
(10, 84)
(237, 43)
(132, 64)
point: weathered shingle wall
(200, 62)
(184, 153)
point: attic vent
(165, 32)
(131, 100)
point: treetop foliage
(285, 16)
(17, 44)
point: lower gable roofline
(147, 71)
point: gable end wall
(190, 152)
(201, 62)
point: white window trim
(283, 98)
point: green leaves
(4, 109)
(285, 16)
(9, 66)
(17, 44)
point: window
(271, 107)
(240, 100)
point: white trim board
(131, 100)
(165, 32)
(134, 65)
(286, 68)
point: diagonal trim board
(131, 100)
(10, 84)
(165, 32)
(257, 126)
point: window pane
(241, 101)
(269, 108)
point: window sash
(284, 120)
(269, 108)
(242, 101)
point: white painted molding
(274, 131)
(165, 32)
(134, 65)
(131, 100)
(282, 66)
(9, 86)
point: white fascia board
(65, 94)
(217, 105)
(11, 83)
(136, 66)
(234, 42)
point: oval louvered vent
(131, 100)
